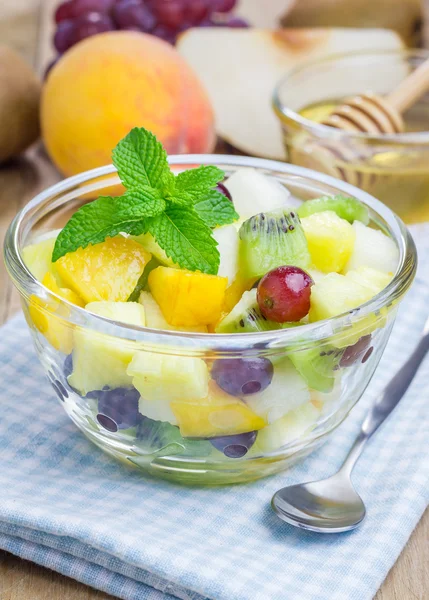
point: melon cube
(373, 249)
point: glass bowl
(393, 168)
(74, 345)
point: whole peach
(108, 84)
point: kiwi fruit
(246, 317)
(345, 207)
(317, 366)
(269, 240)
(19, 104)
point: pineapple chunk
(373, 249)
(187, 298)
(101, 360)
(38, 259)
(108, 271)
(292, 426)
(370, 278)
(217, 414)
(49, 316)
(155, 318)
(163, 377)
(336, 294)
(330, 240)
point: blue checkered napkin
(65, 505)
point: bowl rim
(228, 344)
(325, 131)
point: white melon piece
(101, 360)
(328, 402)
(157, 410)
(371, 278)
(295, 424)
(155, 319)
(241, 67)
(373, 249)
(253, 192)
(315, 274)
(228, 243)
(175, 378)
(151, 245)
(286, 392)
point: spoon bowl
(327, 506)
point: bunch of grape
(79, 19)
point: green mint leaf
(142, 282)
(186, 239)
(215, 209)
(106, 217)
(141, 160)
(194, 183)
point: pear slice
(241, 67)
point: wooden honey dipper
(372, 114)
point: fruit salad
(202, 253)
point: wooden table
(21, 580)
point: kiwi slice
(246, 317)
(269, 240)
(347, 208)
(317, 366)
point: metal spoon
(332, 505)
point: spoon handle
(388, 399)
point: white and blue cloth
(67, 506)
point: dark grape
(50, 67)
(134, 14)
(76, 8)
(65, 36)
(235, 446)
(120, 406)
(223, 6)
(224, 190)
(237, 23)
(196, 11)
(355, 352)
(68, 365)
(170, 13)
(367, 354)
(91, 24)
(284, 294)
(165, 33)
(242, 376)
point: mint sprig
(179, 211)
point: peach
(108, 84)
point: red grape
(170, 12)
(65, 36)
(284, 294)
(237, 23)
(133, 13)
(223, 6)
(196, 11)
(76, 8)
(91, 24)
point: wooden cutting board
(19, 182)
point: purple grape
(234, 446)
(196, 11)
(65, 36)
(355, 352)
(119, 406)
(76, 8)
(242, 376)
(224, 190)
(165, 33)
(223, 6)
(170, 13)
(68, 366)
(237, 23)
(133, 13)
(92, 24)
